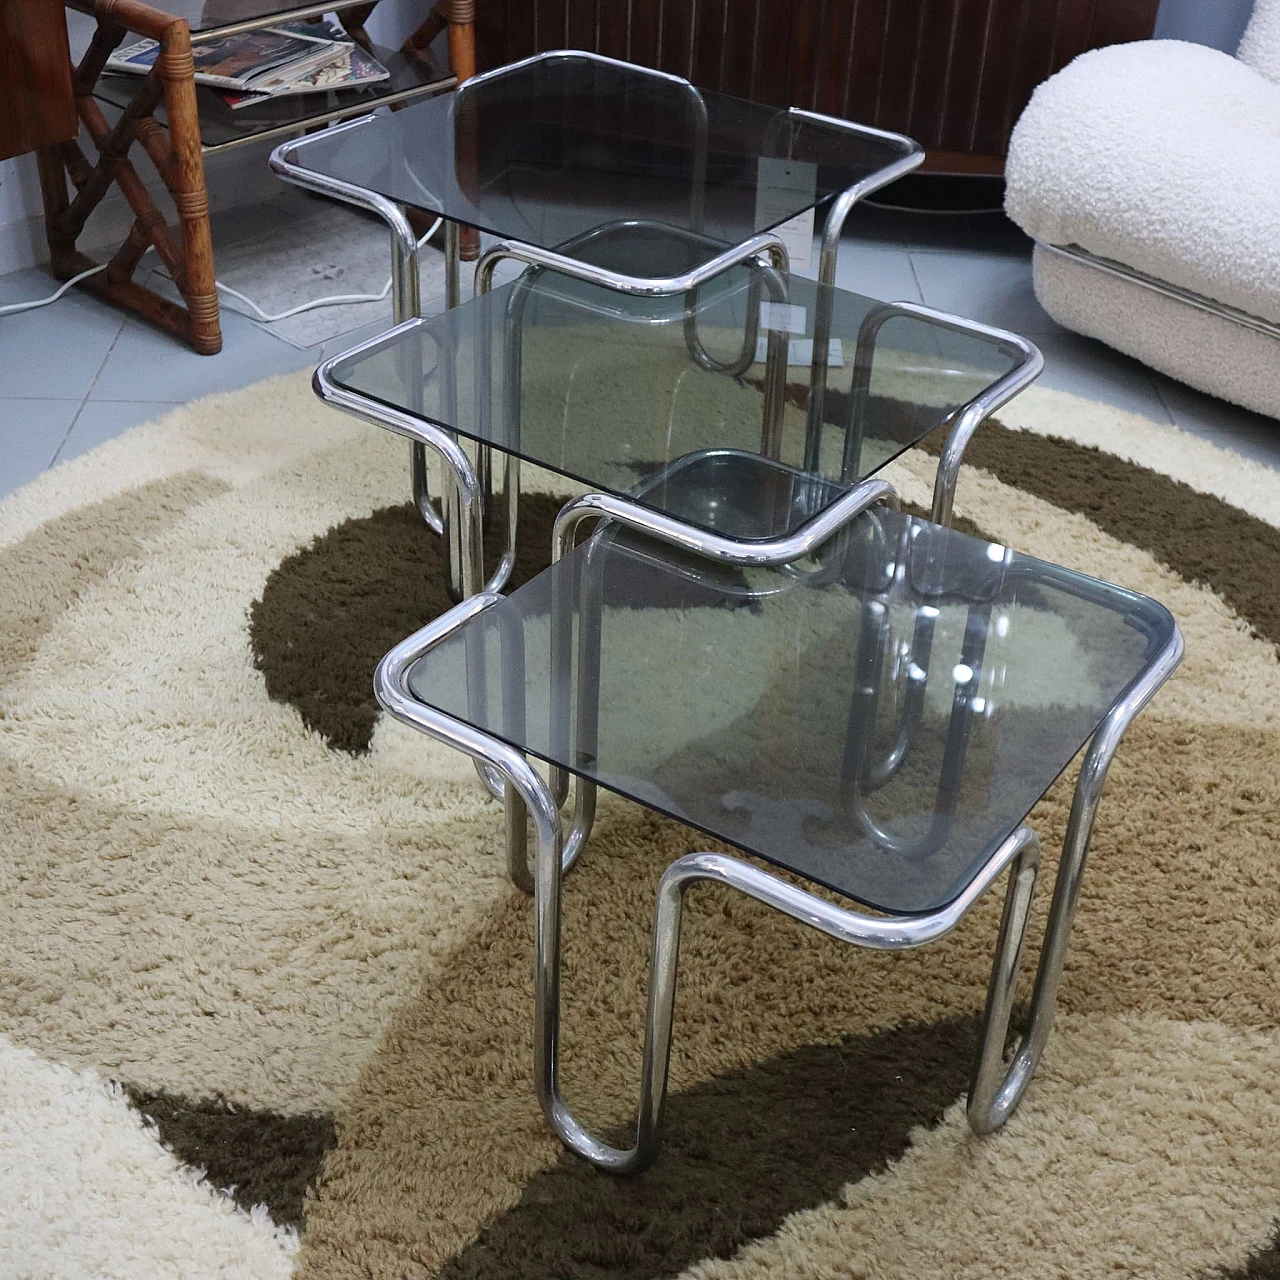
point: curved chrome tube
(765, 243)
(882, 933)
(993, 1095)
(713, 546)
(970, 416)
(405, 302)
(390, 687)
(404, 243)
(996, 1089)
(831, 232)
(463, 492)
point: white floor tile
(101, 420)
(1251, 434)
(30, 433)
(875, 270)
(994, 288)
(148, 364)
(1090, 369)
(55, 350)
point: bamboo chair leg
(461, 17)
(190, 196)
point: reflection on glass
(877, 720)
(625, 393)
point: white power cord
(335, 301)
(14, 307)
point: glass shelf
(549, 150)
(877, 723)
(222, 128)
(608, 391)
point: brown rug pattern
(814, 1118)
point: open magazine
(352, 68)
(293, 57)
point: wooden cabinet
(954, 74)
(36, 107)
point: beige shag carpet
(264, 991)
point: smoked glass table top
(876, 721)
(548, 150)
(612, 390)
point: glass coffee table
(613, 390)
(568, 155)
(875, 716)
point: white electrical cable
(335, 301)
(15, 307)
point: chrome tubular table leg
(996, 1090)
(967, 419)
(405, 302)
(390, 684)
(862, 714)
(462, 489)
(885, 933)
(827, 259)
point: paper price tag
(785, 316)
(800, 351)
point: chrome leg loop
(994, 1091)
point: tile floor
(78, 372)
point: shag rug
(265, 994)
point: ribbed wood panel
(954, 74)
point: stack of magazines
(275, 62)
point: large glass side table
(878, 722)
(611, 390)
(550, 151)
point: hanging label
(781, 187)
(800, 351)
(786, 316)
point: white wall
(1219, 23)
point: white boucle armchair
(1149, 176)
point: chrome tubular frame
(405, 301)
(528, 796)
(404, 244)
(765, 244)
(995, 1091)
(462, 495)
(997, 1085)
(768, 553)
(764, 253)
(693, 343)
(968, 418)
(832, 230)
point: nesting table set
(755, 639)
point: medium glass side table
(611, 390)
